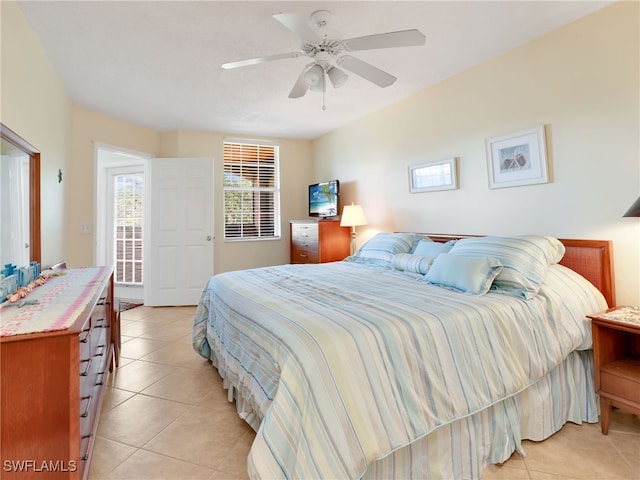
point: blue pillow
(380, 249)
(469, 275)
(428, 248)
(525, 260)
(411, 263)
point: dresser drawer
(304, 233)
(301, 255)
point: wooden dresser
(319, 241)
(52, 381)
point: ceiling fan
(326, 47)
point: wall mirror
(20, 240)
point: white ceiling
(157, 64)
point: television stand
(319, 241)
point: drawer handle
(85, 414)
(86, 370)
(86, 337)
(84, 457)
(101, 382)
(101, 351)
(88, 435)
(303, 255)
(102, 300)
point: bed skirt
(463, 448)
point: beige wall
(35, 106)
(581, 82)
(295, 175)
(90, 128)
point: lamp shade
(634, 211)
(320, 86)
(314, 75)
(337, 77)
(352, 216)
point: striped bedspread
(344, 363)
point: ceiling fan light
(337, 77)
(314, 75)
(320, 86)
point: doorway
(120, 191)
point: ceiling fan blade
(298, 25)
(257, 60)
(301, 86)
(404, 38)
(366, 71)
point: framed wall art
(433, 176)
(517, 159)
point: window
(128, 197)
(251, 191)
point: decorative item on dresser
(54, 356)
(318, 241)
(616, 355)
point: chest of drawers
(319, 241)
(52, 384)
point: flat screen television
(324, 199)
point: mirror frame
(34, 189)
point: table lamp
(353, 216)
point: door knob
(209, 238)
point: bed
(421, 356)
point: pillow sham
(408, 262)
(428, 248)
(380, 249)
(469, 275)
(524, 258)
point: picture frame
(517, 159)
(433, 176)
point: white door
(178, 258)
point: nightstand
(616, 354)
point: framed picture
(517, 159)
(433, 176)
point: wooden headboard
(593, 259)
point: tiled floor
(166, 416)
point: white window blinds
(251, 191)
